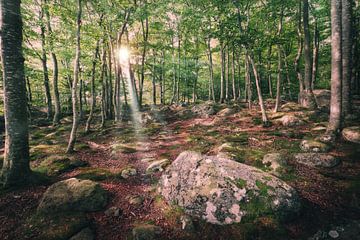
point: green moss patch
(57, 164)
(55, 226)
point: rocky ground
(124, 166)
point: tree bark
(279, 76)
(93, 93)
(222, 80)
(16, 168)
(306, 97)
(346, 56)
(74, 96)
(44, 62)
(315, 55)
(336, 67)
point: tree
(74, 95)
(306, 97)
(346, 55)
(336, 68)
(16, 169)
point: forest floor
(330, 196)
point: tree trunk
(74, 96)
(315, 55)
(154, 81)
(16, 169)
(269, 72)
(257, 81)
(103, 88)
(279, 76)
(346, 56)
(93, 94)
(248, 88)
(44, 62)
(110, 90)
(306, 97)
(233, 74)
(57, 113)
(145, 30)
(336, 67)
(226, 56)
(211, 70)
(222, 81)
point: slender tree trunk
(222, 81)
(103, 88)
(211, 70)
(336, 67)
(110, 90)
(346, 56)
(315, 54)
(194, 95)
(44, 62)
(257, 81)
(74, 95)
(57, 113)
(226, 56)
(306, 97)
(279, 76)
(93, 93)
(269, 72)
(145, 30)
(81, 110)
(179, 72)
(233, 74)
(248, 88)
(154, 80)
(287, 75)
(16, 167)
(299, 52)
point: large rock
(73, 195)
(316, 159)
(352, 134)
(204, 110)
(85, 234)
(314, 146)
(222, 191)
(322, 98)
(291, 121)
(226, 112)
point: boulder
(85, 234)
(291, 107)
(222, 191)
(204, 110)
(291, 121)
(274, 161)
(157, 166)
(316, 159)
(314, 146)
(146, 232)
(226, 112)
(113, 212)
(322, 98)
(73, 195)
(57, 164)
(352, 134)
(350, 229)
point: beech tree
(16, 169)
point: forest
(180, 119)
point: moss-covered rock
(316, 159)
(56, 226)
(57, 164)
(314, 146)
(73, 195)
(352, 134)
(128, 172)
(222, 191)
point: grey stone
(314, 146)
(73, 195)
(316, 159)
(220, 190)
(157, 166)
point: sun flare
(124, 54)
